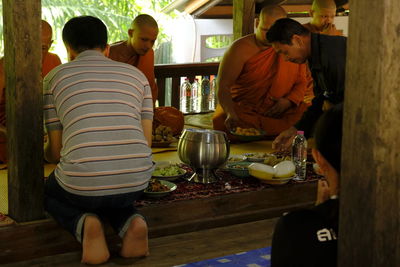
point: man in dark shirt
(326, 57)
(309, 237)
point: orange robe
(312, 28)
(264, 76)
(49, 62)
(144, 63)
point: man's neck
(260, 44)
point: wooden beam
(24, 108)
(369, 212)
(243, 17)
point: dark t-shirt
(327, 64)
(307, 237)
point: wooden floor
(182, 248)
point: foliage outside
(116, 14)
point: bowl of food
(239, 169)
(248, 134)
(165, 170)
(257, 156)
(236, 158)
(159, 188)
(162, 136)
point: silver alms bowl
(204, 151)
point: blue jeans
(70, 210)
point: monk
(49, 61)
(323, 14)
(256, 87)
(138, 49)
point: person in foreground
(309, 237)
(98, 114)
(323, 15)
(49, 61)
(326, 57)
(256, 87)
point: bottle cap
(300, 132)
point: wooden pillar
(243, 17)
(24, 107)
(369, 232)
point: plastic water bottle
(214, 95)
(186, 97)
(195, 95)
(299, 155)
(205, 94)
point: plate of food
(248, 134)
(239, 169)
(159, 188)
(168, 171)
(162, 136)
(257, 156)
(236, 158)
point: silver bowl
(204, 151)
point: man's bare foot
(94, 246)
(135, 242)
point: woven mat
(227, 184)
(253, 258)
(5, 220)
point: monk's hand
(231, 121)
(330, 29)
(323, 193)
(284, 140)
(281, 106)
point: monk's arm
(2, 79)
(228, 72)
(296, 95)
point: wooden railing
(176, 72)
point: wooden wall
(370, 201)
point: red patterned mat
(227, 184)
(5, 220)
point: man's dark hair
(328, 135)
(283, 30)
(85, 33)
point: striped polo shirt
(98, 104)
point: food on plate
(261, 171)
(238, 166)
(246, 131)
(156, 186)
(236, 158)
(273, 159)
(257, 156)
(169, 116)
(162, 134)
(284, 169)
(171, 170)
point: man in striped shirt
(98, 115)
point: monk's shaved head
(321, 4)
(144, 20)
(47, 37)
(46, 29)
(268, 15)
(273, 12)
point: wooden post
(243, 17)
(24, 107)
(369, 232)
